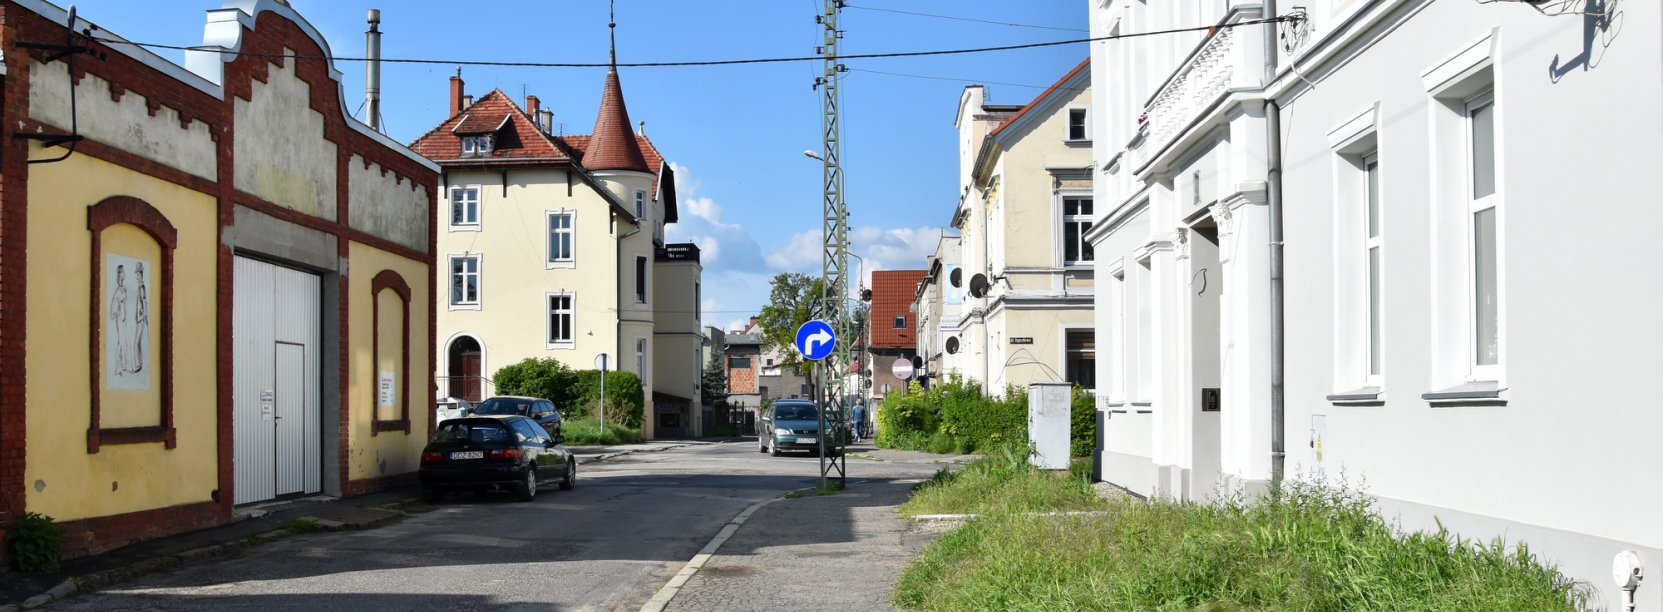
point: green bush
(37, 544)
(546, 378)
(625, 401)
(952, 417)
(1083, 424)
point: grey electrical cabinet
(1048, 420)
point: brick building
(891, 328)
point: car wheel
(773, 450)
(433, 495)
(760, 446)
(528, 488)
(571, 476)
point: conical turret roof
(613, 145)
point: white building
(1443, 170)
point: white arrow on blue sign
(815, 340)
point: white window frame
(466, 225)
(1144, 289)
(478, 276)
(1117, 331)
(643, 282)
(571, 314)
(1063, 354)
(1068, 124)
(641, 361)
(571, 233)
(1374, 264)
(641, 205)
(469, 145)
(1084, 220)
(1474, 205)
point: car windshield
(482, 432)
(794, 412)
(503, 405)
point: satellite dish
(978, 286)
(957, 277)
(953, 345)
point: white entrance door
(276, 415)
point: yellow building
(1025, 266)
(553, 246)
(215, 286)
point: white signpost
(600, 364)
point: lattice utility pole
(835, 255)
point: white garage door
(277, 403)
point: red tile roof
(614, 145)
(1042, 95)
(517, 134)
(892, 293)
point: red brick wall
(892, 293)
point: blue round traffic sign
(815, 340)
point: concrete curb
(671, 588)
(965, 517)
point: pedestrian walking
(860, 420)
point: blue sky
(750, 199)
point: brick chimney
(456, 93)
(531, 106)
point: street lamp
(812, 154)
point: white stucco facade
(1453, 348)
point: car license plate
(807, 441)
(468, 455)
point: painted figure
(118, 313)
(141, 321)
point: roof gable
(1057, 93)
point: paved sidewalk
(842, 551)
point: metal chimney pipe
(372, 71)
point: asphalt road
(610, 544)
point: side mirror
(557, 439)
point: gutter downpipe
(1273, 198)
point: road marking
(668, 592)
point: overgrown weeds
(1004, 481)
(1307, 546)
(587, 432)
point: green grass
(587, 432)
(303, 525)
(1307, 547)
(1002, 481)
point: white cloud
(722, 246)
(901, 248)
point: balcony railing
(683, 251)
(1208, 74)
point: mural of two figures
(127, 323)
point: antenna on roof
(612, 33)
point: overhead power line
(959, 80)
(970, 19)
(726, 62)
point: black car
(537, 409)
(494, 453)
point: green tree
(791, 302)
(714, 385)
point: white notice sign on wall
(388, 384)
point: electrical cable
(970, 19)
(693, 63)
(959, 80)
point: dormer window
(477, 145)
